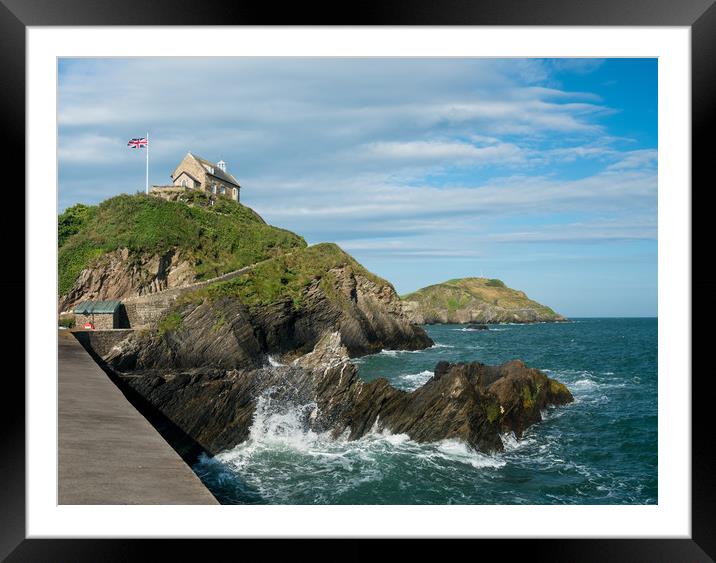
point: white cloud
(441, 151)
(397, 157)
(638, 159)
(576, 65)
(365, 203)
(89, 147)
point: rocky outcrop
(227, 332)
(472, 402)
(121, 274)
(474, 300)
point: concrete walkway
(108, 452)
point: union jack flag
(138, 143)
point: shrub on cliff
(72, 221)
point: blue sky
(540, 172)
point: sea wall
(108, 452)
(101, 342)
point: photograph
(357, 280)
(418, 273)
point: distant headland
(474, 300)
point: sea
(600, 449)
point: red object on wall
(89, 326)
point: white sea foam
(394, 353)
(274, 362)
(415, 380)
(584, 385)
(281, 448)
(287, 462)
(512, 444)
(456, 450)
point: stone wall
(190, 166)
(101, 342)
(167, 192)
(101, 321)
(183, 179)
(172, 193)
(215, 186)
(147, 310)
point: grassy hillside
(473, 294)
(287, 276)
(218, 238)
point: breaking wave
(284, 461)
(570, 457)
(273, 361)
(411, 381)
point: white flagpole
(147, 176)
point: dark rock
(441, 368)
(477, 327)
(471, 402)
(225, 333)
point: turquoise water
(601, 449)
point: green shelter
(103, 315)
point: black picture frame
(699, 15)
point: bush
(495, 283)
(67, 322)
(72, 220)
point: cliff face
(471, 402)
(121, 274)
(282, 307)
(474, 300)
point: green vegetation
(474, 294)
(171, 323)
(556, 388)
(287, 277)
(67, 322)
(220, 321)
(218, 239)
(529, 397)
(493, 412)
(528, 400)
(74, 258)
(72, 221)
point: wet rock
(472, 402)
